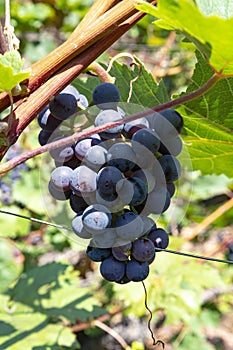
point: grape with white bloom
(108, 116)
(83, 180)
(79, 229)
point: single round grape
(62, 154)
(129, 226)
(122, 156)
(147, 177)
(82, 146)
(147, 138)
(112, 270)
(122, 252)
(96, 157)
(107, 116)
(139, 191)
(63, 106)
(79, 229)
(159, 237)
(106, 197)
(82, 102)
(171, 167)
(96, 222)
(96, 218)
(137, 271)
(107, 179)
(43, 137)
(83, 180)
(131, 127)
(170, 145)
(47, 121)
(166, 123)
(57, 194)
(143, 249)
(97, 254)
(60, 178)
(70, 89)
(78, 204)
(106, 95)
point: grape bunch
(115, 179)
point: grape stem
(98, 70)
(77, 136)
(27, 110)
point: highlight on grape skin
(113, 181)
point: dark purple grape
(43, 137)
(129, 226)
(106, 95)
(47, 121)
(122, 252)
(107, 179)
(112, 270)
(159, 237)
(98, 254)
(146, 138)
(171, 145)
(132, 127)
(166, 123)
(171, 188)
(57, 194)
(137, 271)
(77, 203)
(139, 191)
(147, 177)
(122, 156)
(157, 202)
(63, 106)
(143, 250)
(171, 167)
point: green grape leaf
(33, 330)
(211, 31)
(17, 227)
(11, 72)
(145, 91)
(209, 123)
(52, 290)
(10, 266)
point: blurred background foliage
(51, 292)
